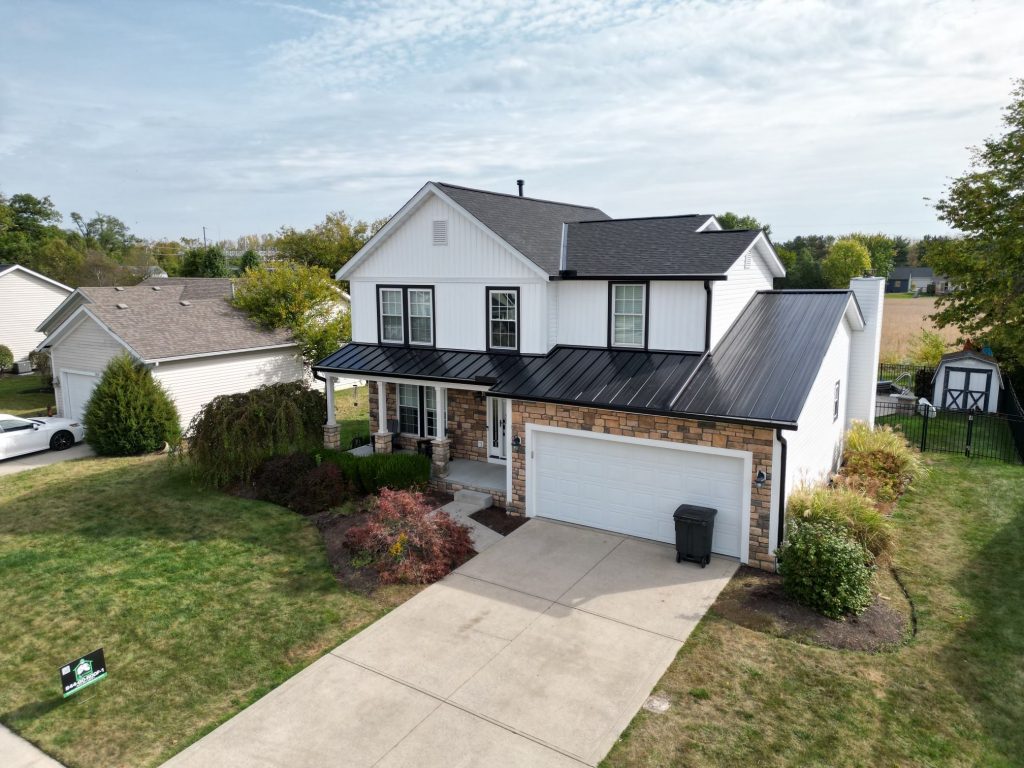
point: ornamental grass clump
(129, 412)
(234, 434)
(847, 508)
(823, 568)
(879, 462)
(406, 541)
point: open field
(902, 319)
(953, 695)
(202, 601)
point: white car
(19, 436)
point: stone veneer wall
(467, 421)
(758, 440)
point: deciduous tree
(846, 259)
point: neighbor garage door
(634, 488)
(78, 391)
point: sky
(244, 116)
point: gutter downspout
(707, 316)
(782, 487)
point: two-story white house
(604, 371)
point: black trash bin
(694, 528)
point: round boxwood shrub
(824, 569)
(129, 412)
(6, 359)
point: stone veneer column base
(332, 436)
(440, 451)
(382, 442)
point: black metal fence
(974, 434)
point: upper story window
(406, 315)
(628, 314)
(503, 318)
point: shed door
(78, 390)
(633, 488)
(966, 389)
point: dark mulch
(497, 519)
(754, 599)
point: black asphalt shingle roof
(763, 368)
(761, 371)
(669, 245)
(533, 227)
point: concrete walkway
(15, 752)
(537, 652)
(43, 458)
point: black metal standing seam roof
(632, 379)
(667, 245)
(765, 365)
(533, 227)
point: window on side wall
(835, 404)
(628, 310)
(503, 318)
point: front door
(495, 429)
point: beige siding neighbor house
(604, 371)
(26, 297)
(197, 345)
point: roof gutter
(574, 275)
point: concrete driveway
(537, 652)
(43, 458)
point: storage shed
(967, 380)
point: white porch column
(329, 386)
(382, 408)
(441, 401)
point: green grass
(947, 432)
(202, 602)
(15, 400)
(352, 413)
(954, 696)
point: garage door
(78, 390)
(634, 488)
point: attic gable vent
(441, 232)
(748, 259)
(122, 306)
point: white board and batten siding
(815, 449)
(744, 278)
(25, 301)
(676, 314)
(194, 382)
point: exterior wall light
(761, 478)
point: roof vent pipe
(520, 183)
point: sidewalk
(15, 752)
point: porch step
(474, 498)
(482, 536)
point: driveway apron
(537, 652)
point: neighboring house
(26, 297)
(915, 280)
(612, 369)
(964, 381)
(197, 345)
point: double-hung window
(406, 315)
(417, 410)
(503, 318)
(628, 309)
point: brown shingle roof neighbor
(185, 317)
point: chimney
(864, 350)
(520, 183)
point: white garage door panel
(79, 390)
(634, 488)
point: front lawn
(19, 395)
(954, 695)
(202, 602)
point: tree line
(101, 250)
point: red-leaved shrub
(318, 490)
(406, 541)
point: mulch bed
(497, 519)
(754, 599)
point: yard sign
(83, 671)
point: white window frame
(835, 402)
(430, 316)
(642, 316)
(400, 316)
(429, 411)
(491, 319)
(416, 390)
